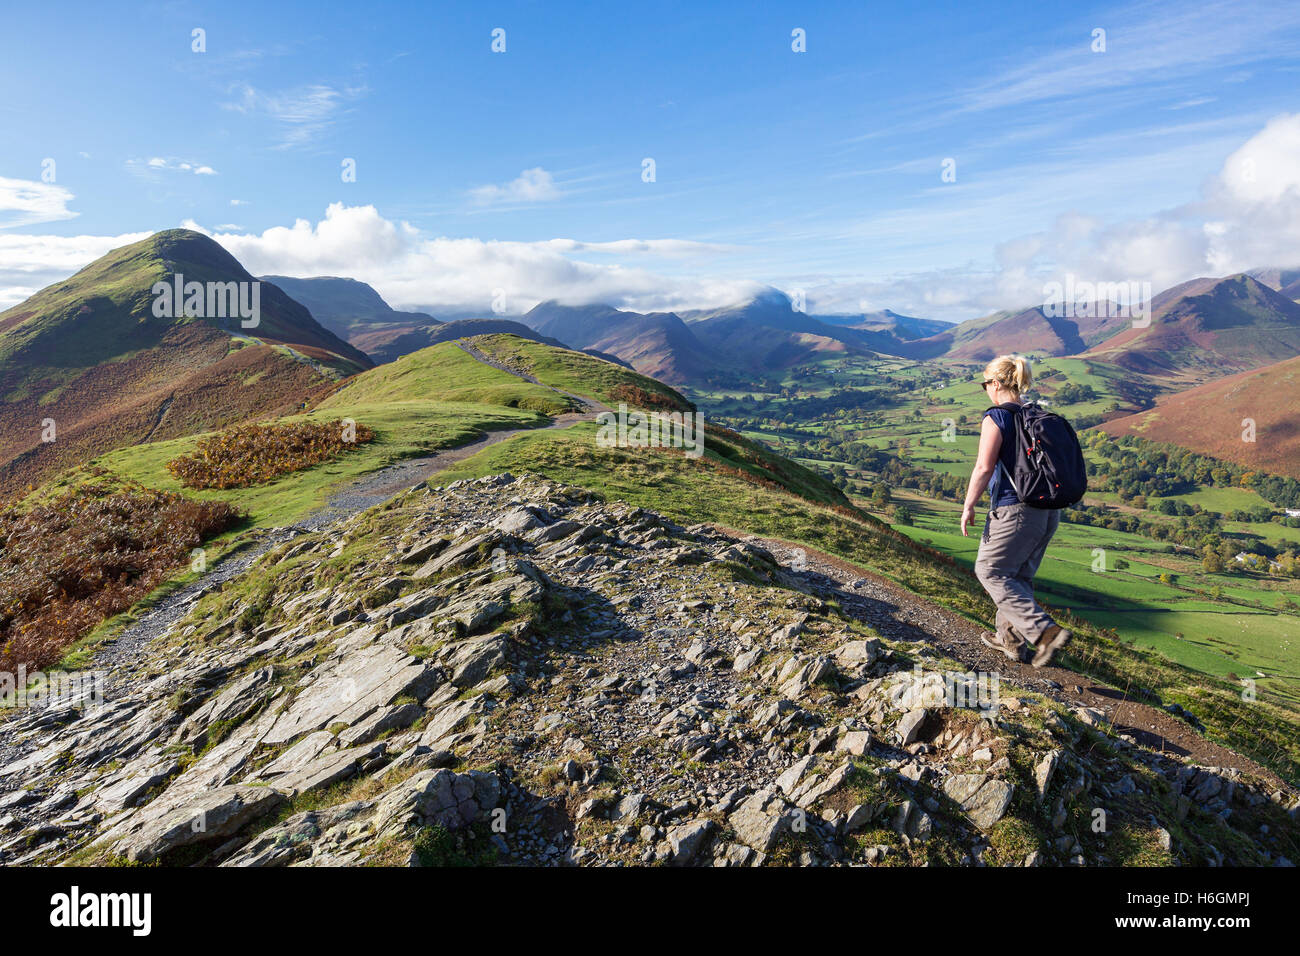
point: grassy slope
(573, 371)
(449, 373)
(1208, 419)
(430, 400)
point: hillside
(1286, 281)
(1208, 328)
(89, 354)
(1208, 418)
(1029, 331)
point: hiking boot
(1052, 640)
(1012, 645)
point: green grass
(402, 430)
(447, 373)
(1222, 500)
(572, 371)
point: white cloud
(25, 202)
(30, 263)
(1248, 217)
(157, 164)
(409, 268)
(239, 202)
(532, 185)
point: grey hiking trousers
(1014, 542)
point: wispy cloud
(1146, 44)
(1194, 102)
(301, 114)
(25, 202)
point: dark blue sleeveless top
(1000, 491)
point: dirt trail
(365, 492)
(899, 614)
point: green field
(1217, 637)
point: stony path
(365, 492)
(898, 614)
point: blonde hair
(1011, 372)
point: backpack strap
(1012, 407)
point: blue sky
(817, 170)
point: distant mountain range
(1208, 328)
(756, 338)
(354, 311)
(93, 355)
(1197, 331)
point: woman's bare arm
(986, 460)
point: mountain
(348, 307)
(905, 328)
(1279, 280)
(766, 334)
(355, 311)
(1208, 418)
(90, 356)
(1027, 331)
(1208, 328)
(658, 344)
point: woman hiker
(1015, 535)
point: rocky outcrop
(513, 670)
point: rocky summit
(513, 671)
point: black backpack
(1049, 471)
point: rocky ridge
(510, 670)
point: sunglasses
(988, 382)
